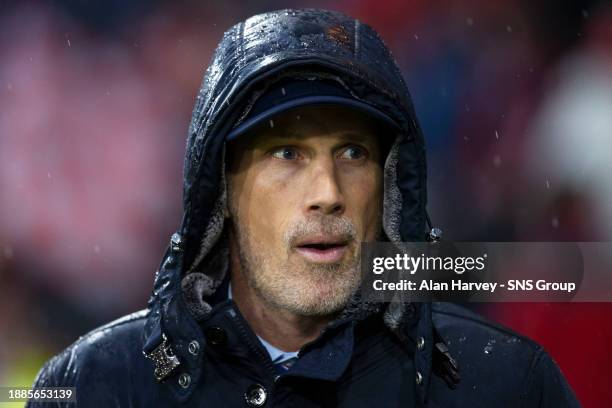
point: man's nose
(323, 190)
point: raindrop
(283, 91)
(489, 347)
(271, 123)
(497, 160)
(48, 174)
(107, 93)
(555, 222)
(7, 251)
(297, 117)
(469, 21)
(548, 184)
(69, 42)
(585, 14)
(462, 339)
(9, 86)
(496, 135)
(508, 29)
(96, 249)
(416, 37)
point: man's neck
(279, 327)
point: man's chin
(322, 307)
(318, 299)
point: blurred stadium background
(515, 98)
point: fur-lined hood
(305, 43)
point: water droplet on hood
(488, 349)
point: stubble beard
(286, 281)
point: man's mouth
(322, 249)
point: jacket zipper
(244, 332)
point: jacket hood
(300, 43)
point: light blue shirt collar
(276, 355)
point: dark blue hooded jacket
(192, 347)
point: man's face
(303, 192)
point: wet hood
(304, 43)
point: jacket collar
(173, 340)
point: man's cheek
(264, 225)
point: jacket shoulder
(98, 358)
(498, 364)
(483, 345)
(455, 319)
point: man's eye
(286, 153)
(353, 153)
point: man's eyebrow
(360, 136)
(349, 135)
